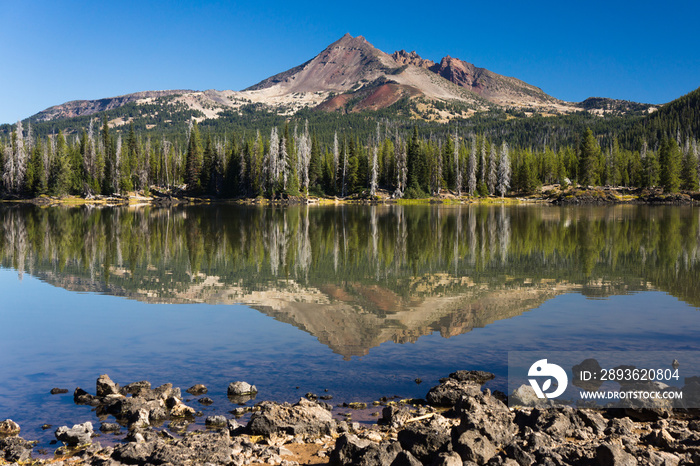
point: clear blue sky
(56, 51)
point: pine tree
(588, 159)
(689, 173)
(670, 163)
(60, 173)
(193, 161)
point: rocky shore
(458, 423)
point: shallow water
(359, 301)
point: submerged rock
(197, 390)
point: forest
(290, 157)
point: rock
(110, 427)
(234, 428)
(215, 421)
(106, 387)
(197, 390)
(525, 395)
(305, 417)
(15, 449)
(139, 419)
(376, 454)
(488, 416)
(593, 420)
(556, 422)
(424, 441)
(346, 448)
(613, 455)
(206, 401)
(178, 408)
(475, 377)
(405, 458)
(241, 389)
(163, 392)
(8, 428)
(451, 391)
(516, 453)
(447, 459)
(357, 405)
(135, 388)
(394, 416)
(59, 391)
(663, 458)
(81, 397)
(473, 446)
(79, 434)
(661, 439)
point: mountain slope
(351, 75)
(77, 108)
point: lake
(356, 302)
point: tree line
(290, 161)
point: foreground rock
(80, 434)
(458, 424)
(305, 417)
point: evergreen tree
(589, 154)
(60, 173)
(193, 161)
(670, 162)
(689, 173)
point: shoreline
(549, 195)
(458, 422)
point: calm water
(359, 301)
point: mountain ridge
(352, 75)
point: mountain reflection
(357, 276)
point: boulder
(106, 387)
(215, 421)
(608, 454)
(241, 389)
(487, 415)
(474, 377)
(472, 446)
(347, 447)
(451, 391)
(305, 417)
(424, 441)
(79, 434)
(394, 416)
(135, 388)
(8, 427)
(59, 391)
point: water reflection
(354, 276)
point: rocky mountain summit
(351, 75)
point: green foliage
(589, 155)
(193, 161)
(670, 162)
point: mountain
(351, 75)
(77, 108)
